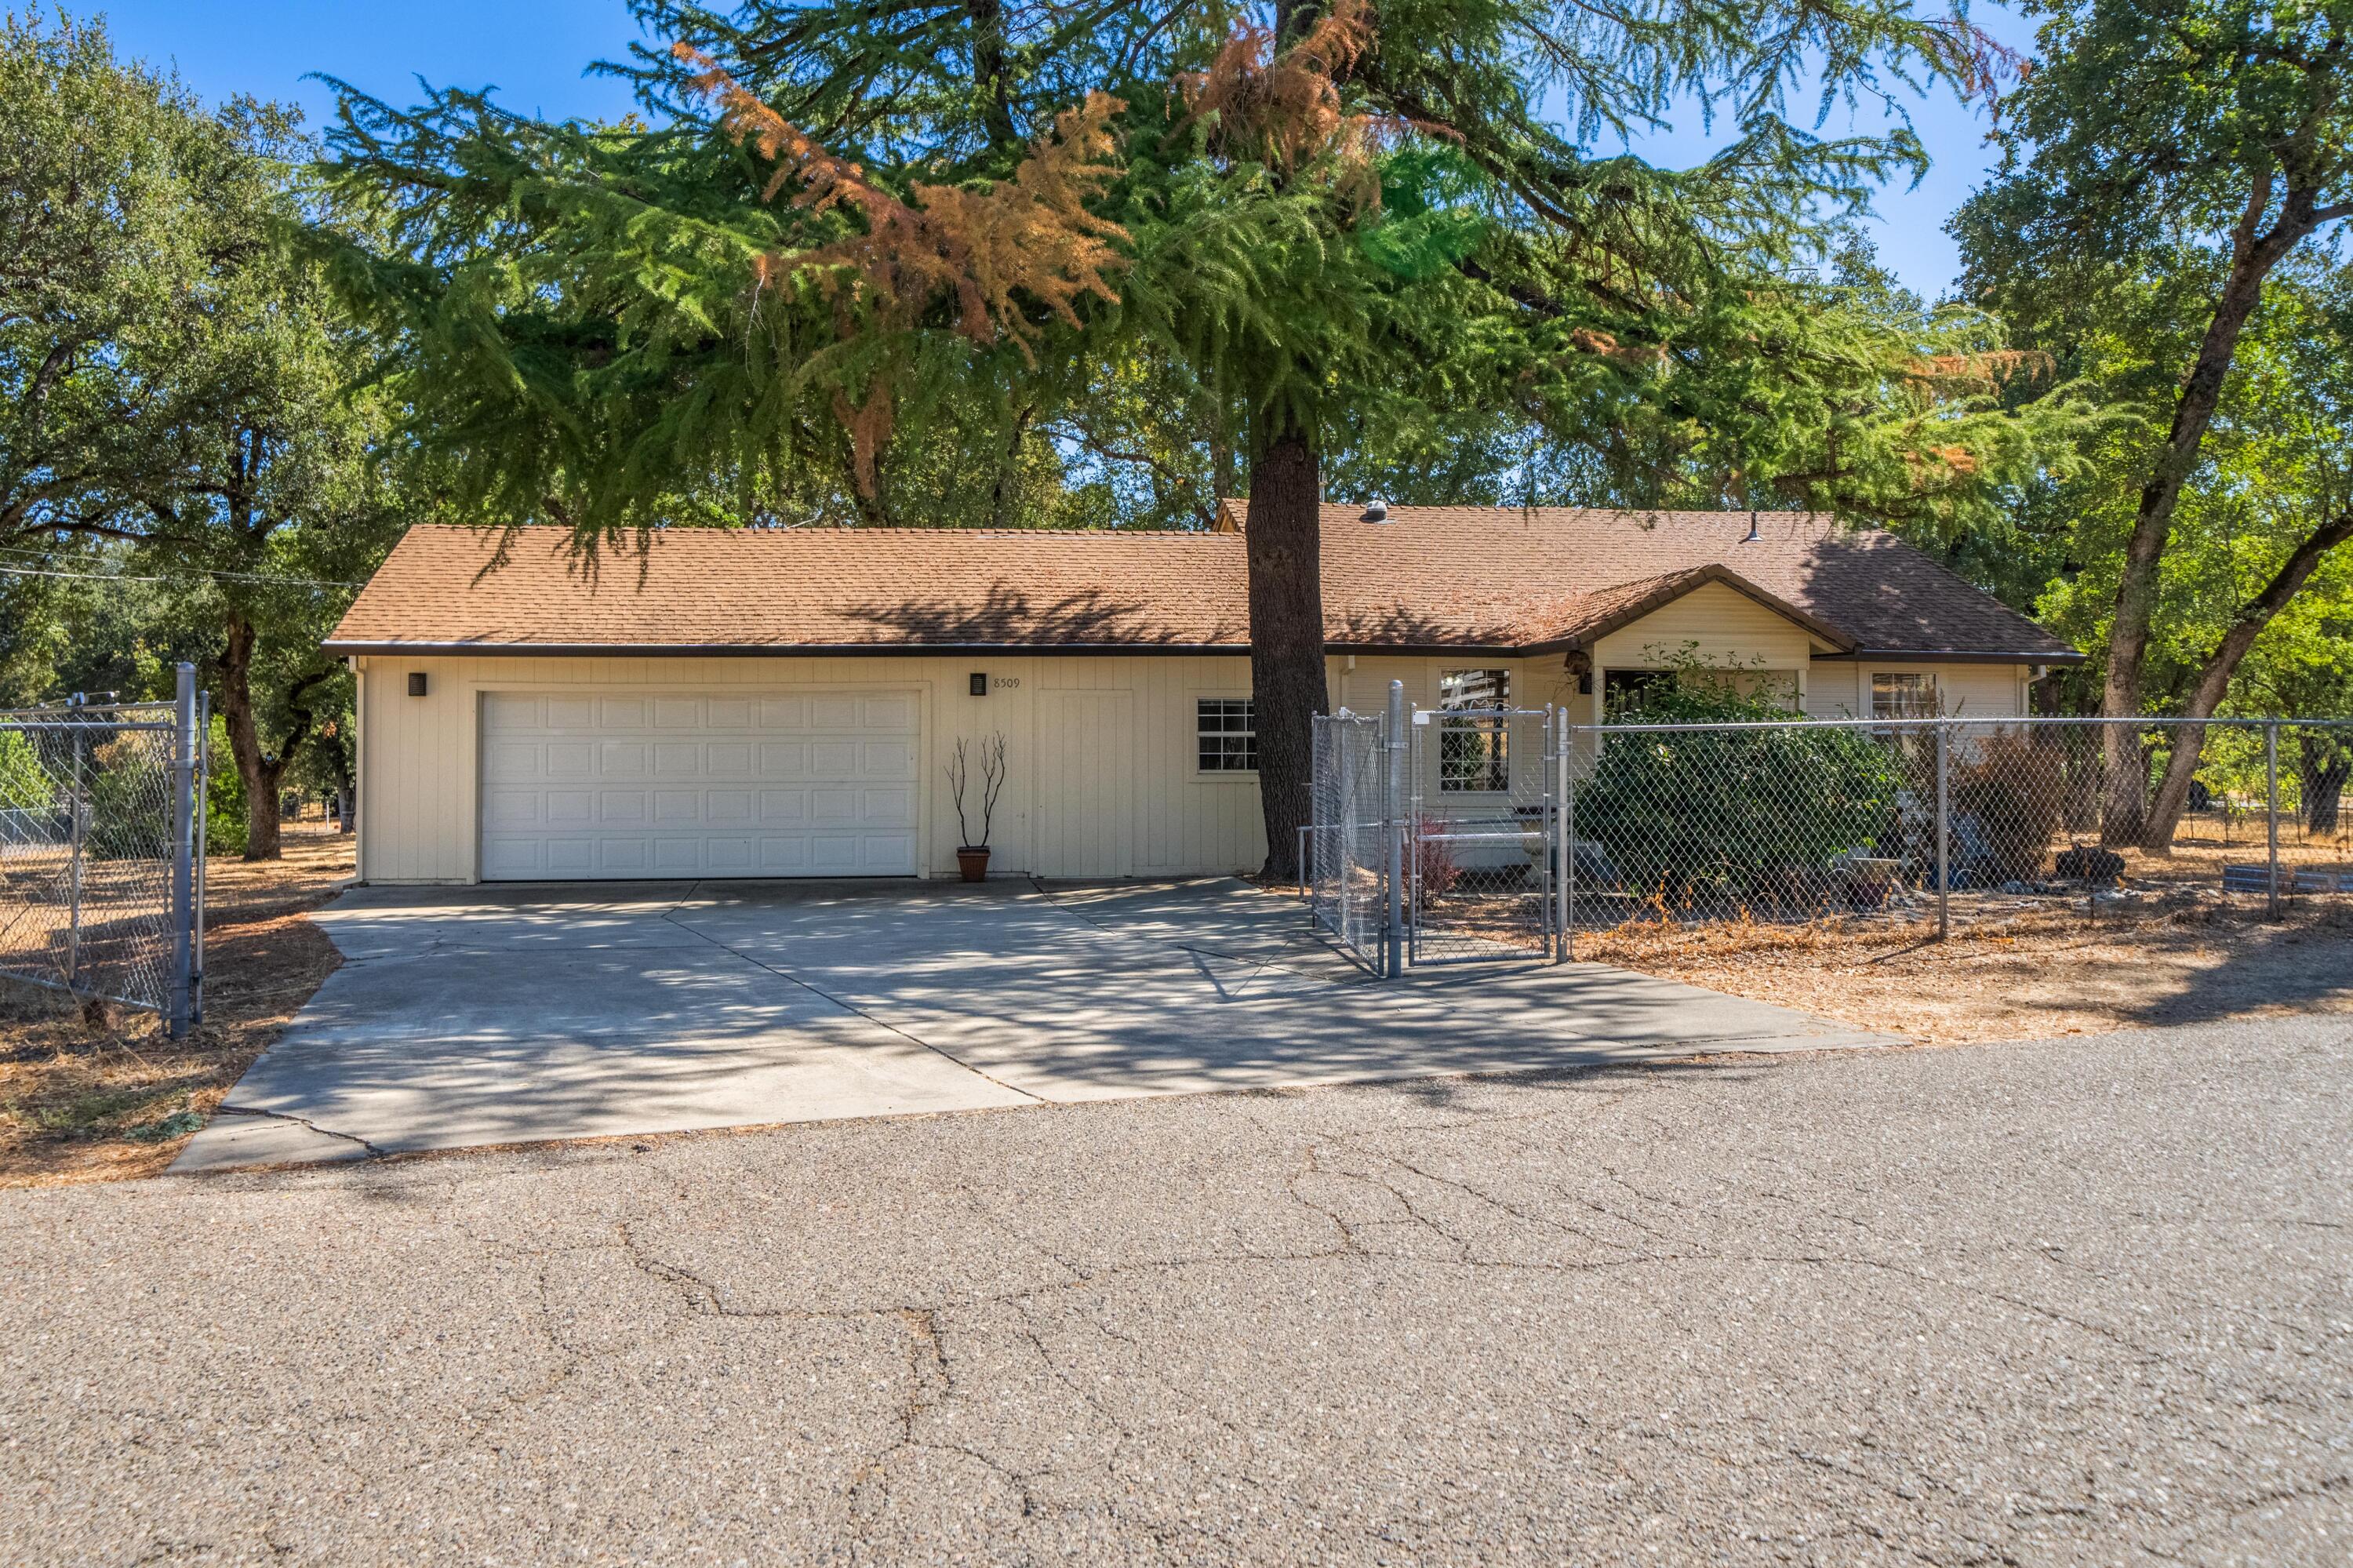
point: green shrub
(1721, 817)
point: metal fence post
(184, 885)
(2271, 815)
(1392, 830)
(1944, 828)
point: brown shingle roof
(1432, 577)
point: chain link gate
(1482, 831)
(1346, 864)
(101, 850)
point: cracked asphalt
(2077, 1301)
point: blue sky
(533, 50)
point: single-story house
(752, 703)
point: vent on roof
(1751, 538)
(1376, 512)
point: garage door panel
(569, 808)
(514, 807)
(515, 759)
(788, 784)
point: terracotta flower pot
(973, 862)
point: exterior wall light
(417, 683)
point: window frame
(1225, 701)
(1495, 729)
(1928, 700)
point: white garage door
(698, 784)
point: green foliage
(191, 438)
(225, 818)
(24, 784)
(1719, 818)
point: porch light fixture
(417, 683)
(979, 682)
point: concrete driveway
(491, 1015)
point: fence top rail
(2028, 721)
(111, 726)
(62, 710)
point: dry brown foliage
(994, 250)
(1282, 107)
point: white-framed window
(1474, 750)
(1224, 735)
(1902, 694)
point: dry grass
(102, 1095)
(2174, 957)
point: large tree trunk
(2124, 818)
(2156, 830)
(259, 772)
(1283, 544)
(2325, 761)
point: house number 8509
(1007, 683)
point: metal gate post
(204, 797)
(1568, 842)
(1944, 828)
(1392, 839)
(184, 885)
(1345, 891)
(1549, 829)
(2271, 814)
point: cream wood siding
(1841, 688)
(1085, 807)
(420, 756)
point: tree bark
(2325, 760)
(1283, 540)
(2253, 255)
(259, 769)
(2156, 829)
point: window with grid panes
(1474, 750)
(1225, 735)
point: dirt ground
(2175, 957)
(102, 1098)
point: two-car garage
(625, 784)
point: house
(782, 702)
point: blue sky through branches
(534, 51)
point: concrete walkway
(465, 1017)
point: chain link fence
(1516, 831)
(101, 852)
(1345, 855)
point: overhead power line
(17, 571)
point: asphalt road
(2079, 1301)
